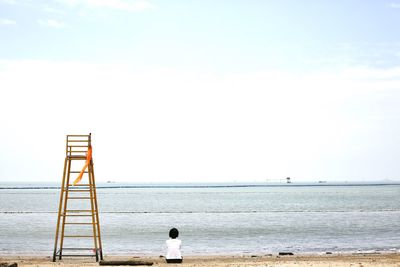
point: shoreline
(361, 259)
(256, 254)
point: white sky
(167, 110)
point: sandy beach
(359, 260)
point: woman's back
(174, 249)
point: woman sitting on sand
(174, 247)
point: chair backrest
(78, 145)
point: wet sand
(340, 260)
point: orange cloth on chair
(88, 159)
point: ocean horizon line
(115, 185)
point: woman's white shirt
(174, 249)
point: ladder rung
(79, 211)
(79, 249)
(80, 185)
(78, 172)
(78, 236)
(77, 255)
(78, 215)
(81, 223)
(78, 190)
(79, 198)
(78, 140)
(69, 146)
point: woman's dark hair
(173, 233)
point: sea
(213, 219)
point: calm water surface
(221, 220)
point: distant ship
(280, 180)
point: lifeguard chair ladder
(77, 147)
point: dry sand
(353, 260)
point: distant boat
(322, 182)
(280, 180)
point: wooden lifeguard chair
(80, 217)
